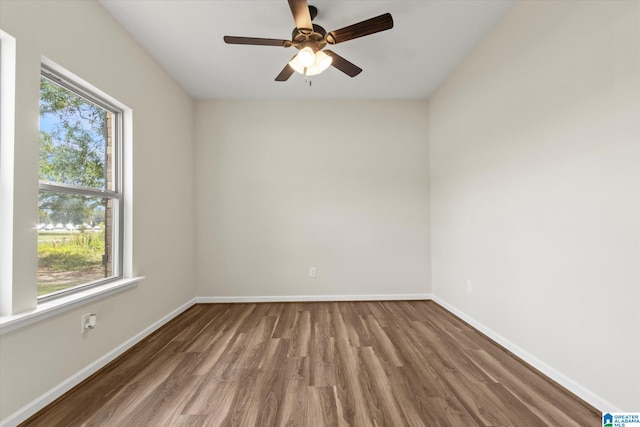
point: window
(80, 204)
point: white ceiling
(429, 39)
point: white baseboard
(51, 395)
(566, 382)
(313, 298)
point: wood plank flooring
(400, 363)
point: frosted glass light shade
(295, 64)
(306, 57)
(323, 61)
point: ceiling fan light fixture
(321, 61)
(306, 57)
(295, 64)
(313, 71)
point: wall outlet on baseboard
(469, 286)
(312, 272)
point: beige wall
(285, 185)
(535, 184)
(83, 38)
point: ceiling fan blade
(343, 65)
(286, 72)
(255, 41)
(364, 28)
(300, 11)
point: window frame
(7, 142)
(116, 194)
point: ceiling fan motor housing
(315, 40)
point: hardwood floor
(317, 364)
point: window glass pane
(74, 240)
(75, 139)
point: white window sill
(60, 305)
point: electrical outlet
(469, 286)
(88, 322)
(312, 272)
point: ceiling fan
(310, 39)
